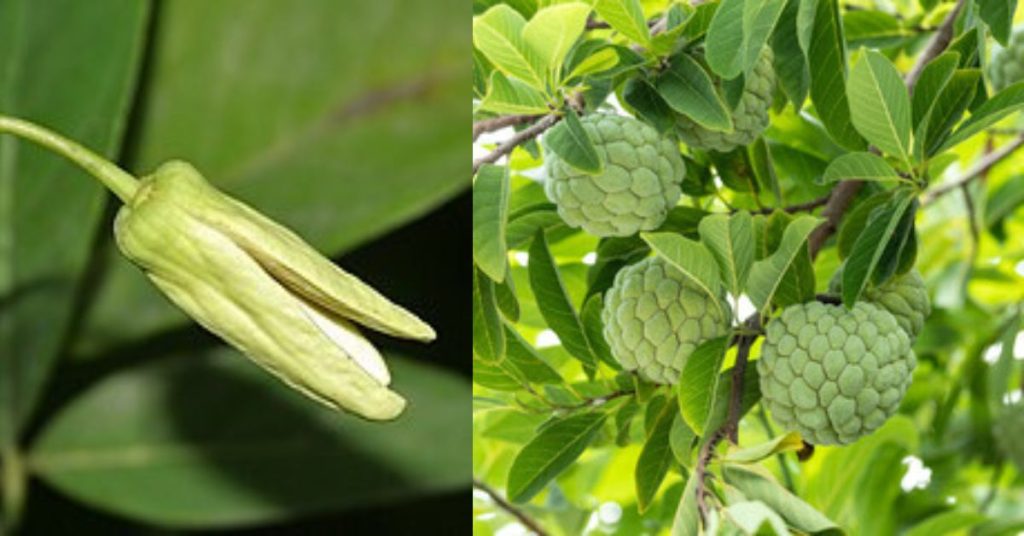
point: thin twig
(943, 36)
(700, 472)
(526, 520)
(594, 402)
(498, 123)
(978, 170)
(799, 207)
(522, 136)
(732, 425)
(839, 200)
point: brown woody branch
(522, 136)
(799, 207)
(517, 513)
(975, 172)
(943, 36)
(498, 123)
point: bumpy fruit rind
(905, 296)
(1008, 430)
(834, 374)
(635, 191)
(1007, 65)
(749, 117)
(654, 318)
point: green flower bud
(252, 282)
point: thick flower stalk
(252, 282)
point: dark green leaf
(998, 14)
(554, 304)
(731, 241)
(524, 357)
(570, 141)
(488, 333)
(879, 104)
(687, 89)
(853, 223)
(691, 258)
(648, 104)
(70, 66)
(826, 57)
(490, 214)
(767, 274)
(758, 486)
(655, 457)
(213, 441)
(737, 33)
(698, 383)
(790, 63)
(999, 106)
(933, 78)
(593, 327)
(626, 17)
(869, 246)
(861, 166)
(947, 110)
(548, 454)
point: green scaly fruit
(636, 189)
(834, 374)
(905, 296)
(749, 116)
(654, 318)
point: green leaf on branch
(691, 258)
(862, 166)
(738, 32)
(552, 31)
(998, 14)
(880, 105)
(549, 453)
(872, 242)
(510, 96)
(934, 77)
(490, 214)
(790, 63)
(766, 274)
(626, 17)
(648, 104)
(655, 458)
(731, 241)
(570, 141)
(554, 304)
(687, 88)
(498, 34)
(488, 332)
(757, 485)
(790, 442)
(947, 109)
(822, 38)
(1001, 104)
(698, 383)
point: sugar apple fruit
(905, 296)
(1008, 431)
(749, 117)
(1007, 65)
(834, 374)
(654, 318)
(640, 182)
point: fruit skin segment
(654, 318)
(905, 296)
(1007, 65)
(639, 184)
(749, 116)
(834, 374)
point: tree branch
(522, 136)
(521, 516)
(978, 170)
(498, 123)
(943, 36)
(839, 200)
(799, 207)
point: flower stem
(114, 178)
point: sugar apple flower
(903, 295)
(834, 374)
(638, 186)
(749, 116)
(1007, 65)
(250, 281)
(654, 318)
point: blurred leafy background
(344, 120)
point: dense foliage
(855, 256)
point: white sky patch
(950, 500)
(1019, 268)
(744, 308)
(1012, 397)
(522, 258)
(917, 476)
(590, 258)
(1018, 345)
(512, 529)
(490, 138)
(547, 339)
(992, 353)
